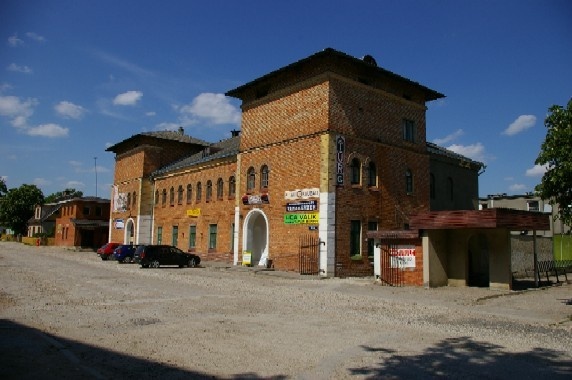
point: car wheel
(127, 260)
(103, 257)
(144, 265)
(154, 264)
(192, 263)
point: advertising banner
(402, 256)
(311, 218)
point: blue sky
(77, 76)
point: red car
(106, 250)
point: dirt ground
(68, 315)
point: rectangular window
(371, 226)
(355, 238)
(533, 206)
(159, 235)
(85, 210)
(192, 237)
(409, 130)
(212, 236)
(175, 237)
(98, 211)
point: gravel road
(67, 314)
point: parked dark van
(156, 255)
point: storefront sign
(311, 218)
(246, 258)
(119, 224)
(302, 193)
(255, 199)
(403, 256)
(302, 206)
(194, 212)
(340, 149)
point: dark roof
(440, 151)
(515, 220)
(368, 63)
(222, 149)
(177, 136)
(90, 223)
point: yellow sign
(194, 212)
(310, 218)
(246, 258)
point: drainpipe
(536, 274)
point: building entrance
(478, 257)
(255, 239)
(129, 232)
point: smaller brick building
(82, 222)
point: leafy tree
(60, 195)
(3, 188)
(556, 154)
(17, 206)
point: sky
(77, 76)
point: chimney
(181, 131)
(234, 133)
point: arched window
(199, 191)
(250, 179)
(164, 198)
(231, 187)
(128, 205)
(189, 193)
(355, 171)
(264, 177)
(408, 182)
(372, 175)
(172, 196)
(219, 188)
(157, 197)
(450, 188)
(180, 195)
(134, 200)
(209, 190)
(432, 186)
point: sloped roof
(331, 55)
(177, 136)
(222, 149)
(443, 152)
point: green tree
(60, 195)
(556, 155)
(17, 207)
(3, 188)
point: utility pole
(95, 168)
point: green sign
(311, 218)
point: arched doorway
(478, 262)
(129, 232)
(255, 236)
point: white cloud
(35, 37)
(473, 151)
(48, 130)
(167, 126)
(517, 187)
(129, 98)
(210, 108)
(41, 182)
(19, 69)
(522, 123)
(150, 113)
(537, 171)
(74, 185)
(69, 110)
(5, 87)
(17, 109)
(452, 137)
(14, 41)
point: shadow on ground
(465, 358)
(27, 353)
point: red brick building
(330, 147)
(82, 222)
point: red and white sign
(402, 256)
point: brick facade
(291, 121)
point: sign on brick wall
(310, 218)
(340, 149)
(302, 193)
(302, 206)
(402, 256)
